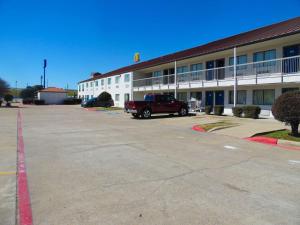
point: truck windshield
(148, 97)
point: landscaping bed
(217, 125)
(280, 134)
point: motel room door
(291, 65)
(220, 73)
(209, 98)
(219, 97)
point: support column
(175, 80)
(234, 77)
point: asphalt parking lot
(90, 168)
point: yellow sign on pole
(136, 57)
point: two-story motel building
(251, 68)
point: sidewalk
(246, 127)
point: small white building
(52, 95)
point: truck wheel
(135, 115)
(183, 112)
(146, 114)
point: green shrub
(208, 109)
(8, 98)
(39, 102)
(104, 100)
(286, 109)
(237, 111)
(251, 111)
(218, 110)
(104, 97)
(72, 101)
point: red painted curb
(289, 147)
(264, 140)
(198, 128)
(24, 206)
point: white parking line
(229, 147)
(293, 162)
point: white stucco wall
(121, 88)
(52, 97)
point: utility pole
(41, 80)
(45, 65)
(175, 79)
(16, 88)
(234, 76)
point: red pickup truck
(156, 103)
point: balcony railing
(266, 68)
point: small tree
(287, 109)
(30, 91)
(104, 97)
(105, 100)
(4, 88)
(8, 98)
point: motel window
(182, 75)
(117, 79)
(126, 97)
(264, 55)
(182, 69)
(196, 96)
(87, 84)
(241, 97)
(109, 80)
(263, 97)
(196, 67)
(102, 82)
(157, 74)
(96, 83)
(82, 87)
(241, 59)
(127, 77)
(284, 90)
(79, 87)
(91, 84)
(196, 71)
(117, 97)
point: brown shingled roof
(54, 90)
(273, 31)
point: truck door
(171, 104)
(158, 104)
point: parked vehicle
(95, 102)
(156, 103)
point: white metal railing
(280, 66)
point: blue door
(209, 98)
(291, 65)
(210, 72)
(219, 95)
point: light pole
(16, 88)
(45, 65)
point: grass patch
(107, 108)
(220, 124)
(281, 134)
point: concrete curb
(286, 142)
(288, 145)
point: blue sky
(79, 37)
